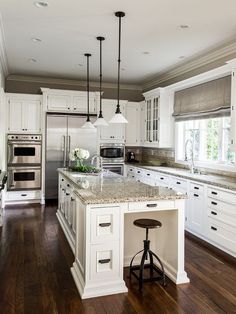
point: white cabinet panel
(113, 132)
(59, 103)
(24, 114)
(132, 128)
(196, 210)
(80, 104)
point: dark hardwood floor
(35, 276)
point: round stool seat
(147, 223)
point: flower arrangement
(79, 155)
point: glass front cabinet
(158, 118)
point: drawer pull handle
(72, 199)
(67, 194)
(213, 203)
(105, 224)
(151, 205)
(213, 213)
(196, 195)
(214, 228)
(104, 261)
(23, 194)
(196, 188)
(178, 182)
(214, 193)
(63, 189)
(162, 178)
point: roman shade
(207, 100)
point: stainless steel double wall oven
(24, 154)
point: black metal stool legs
(151, 266)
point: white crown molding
(200, 61)
(3, 55)
(50, 80)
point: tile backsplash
(166, 157)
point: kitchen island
(96, 213)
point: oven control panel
(24, 137)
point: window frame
(179, 149)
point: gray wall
(33, 87)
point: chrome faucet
(189, 141)
(96, 161)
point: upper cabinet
(233, 110)
(24, 113)
(158, 123)
(133, 127)
(69, 101)
(114, 133)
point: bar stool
(147, 224)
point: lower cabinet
(209, 211)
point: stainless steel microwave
(112, 153)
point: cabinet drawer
(196, 188)
(222, 234)
(23, 195)
(150, 206)
(222, 211)
(222, 195)
(105, 224)
(105, 261)
(177, 184)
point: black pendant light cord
(120, 15)
(88, 55)
(100, 110)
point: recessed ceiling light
(41, 4)
(181, 57)
(32, 60)
(183, 26)
(36, 40)
(80, 64)
(122, 69)
(146, 52)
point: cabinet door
(15, 123)
(31, 116)
(196, 209)
(132, 134)
(233, 112)
(59, 103)
(113, 132)
(155, 120)
(80, 104)
(148, 121)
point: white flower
(81, 153)
(72, 155)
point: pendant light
(88, 124)
(100, 120)
(118, 117)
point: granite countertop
(216, 180)
(108, 187)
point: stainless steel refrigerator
(64, 133)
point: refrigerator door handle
(64, 151)
(68, 152)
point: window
(210, 140)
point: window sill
(212, 165)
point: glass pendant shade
(118, 118)
(88, 126)
(100, 122)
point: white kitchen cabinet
(114, 133)
(24, 113)
(132, 128)
(69, 101)
(196, 208)
(158, 119)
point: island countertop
(108, 187)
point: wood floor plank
(35, 277)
